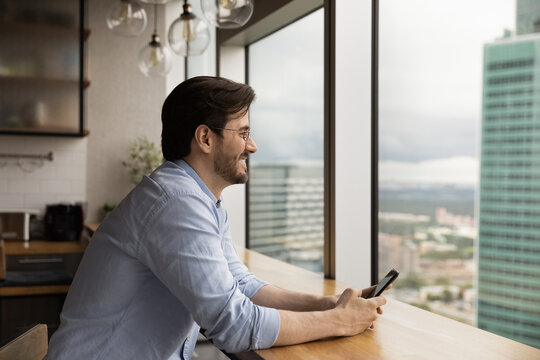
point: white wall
(173, 9)
(232, 66)
(205, 63)
(62, 180)
(353, 142)
(122, 104)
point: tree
(412, 281)
(447, 296)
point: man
(163, 263)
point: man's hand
(354, 313)
(332, 300)
(348, 314)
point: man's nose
(251, 146)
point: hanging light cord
(155, 18)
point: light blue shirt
(161, 265)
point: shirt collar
(184, 165)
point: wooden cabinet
(36, 283)
(42, 67)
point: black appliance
(64, 222)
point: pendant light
(227, 14)
(154, 59)
(159, 2)
(188, 35)
(126, 18)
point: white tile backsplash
(9, 171)
(78, 173)
(24, 186)
(11, 201)
(62, 159)
(78, 157)
(39, 201)
(10, 144)
(77, 187)
(56, 186)
(61, 180)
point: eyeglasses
(244, 134)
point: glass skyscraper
(509, 209)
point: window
(459, 160)
(286, 184)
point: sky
(430, 86)
(430, 93)
(286, 69)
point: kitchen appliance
(64, 222)
(15, 224)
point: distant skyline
(430, 86)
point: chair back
(32, 345)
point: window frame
(329, 212)
(266, 20)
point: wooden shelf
(49, 131)
(41, 79)
(37, 28)
(18, 27)
(45, 62)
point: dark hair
(202, 100)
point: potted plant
(144, 157)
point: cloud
(416, 136)
(460, 171)
(430, 74)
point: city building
(395, 252)
(509, 207)
(443, 217)
(286, 205)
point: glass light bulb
(126, 18)
(188, 35)
(155, 56)
(227, 14)
(155, 59)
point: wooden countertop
(33, 290)
(92, 227)
(402, 332)
(34, 247)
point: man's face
(233, 151)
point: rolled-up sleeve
(182, 245)
(249, 284)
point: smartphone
(383, 284)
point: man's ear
(203, 139)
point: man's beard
(228, 170)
